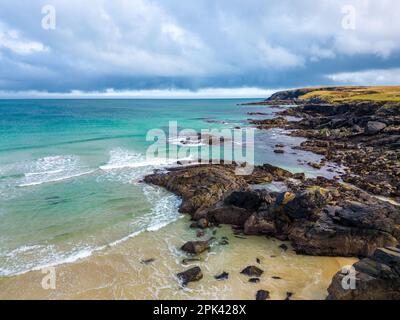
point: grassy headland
(341, 94)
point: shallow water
(119, 273)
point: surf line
(175, 311)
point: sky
(196, 48)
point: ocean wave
(121, 159)
(35, 257)
(51, 180)
(188, 141)
(127, 167)
(42, 257)
(49, 170)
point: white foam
(185, 142)
(49, 170)
(125, 159)
(49, 180)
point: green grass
(342, 94)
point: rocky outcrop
(364, 136)
(318, 216)
(202, 186)
(375, 278)
(331, 220)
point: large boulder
(376, 278)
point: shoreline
(251, 222)
(127, 271)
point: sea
(71, 171)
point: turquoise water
(70, 172)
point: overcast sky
(209, 47)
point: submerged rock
(289, 295)
(196, 247)
(147, 261)
(252, 271)
(191, 275)
(262, 295)
(223, 276)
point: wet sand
(119, 272)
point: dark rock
(222, 276)
(284, 247)
(246, 200)
(262, 295)
(202, 186)
(276, 278)
(279, 151)
(376, 278)
(256, 225)
(229, 215)
(374, 127)
(189, 260)
(252, 271)
(289, 295)
(147, 261)
(203, 223)
(196, 247)
(307, 204)
(191, 275)
(254, 280)
(299, 176)
(200, 233)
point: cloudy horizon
(203, 49)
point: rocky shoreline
(320, 217)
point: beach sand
(119, 272)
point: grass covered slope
(341, 94)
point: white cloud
(11, 39)
(278, 57)
(369, 77)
